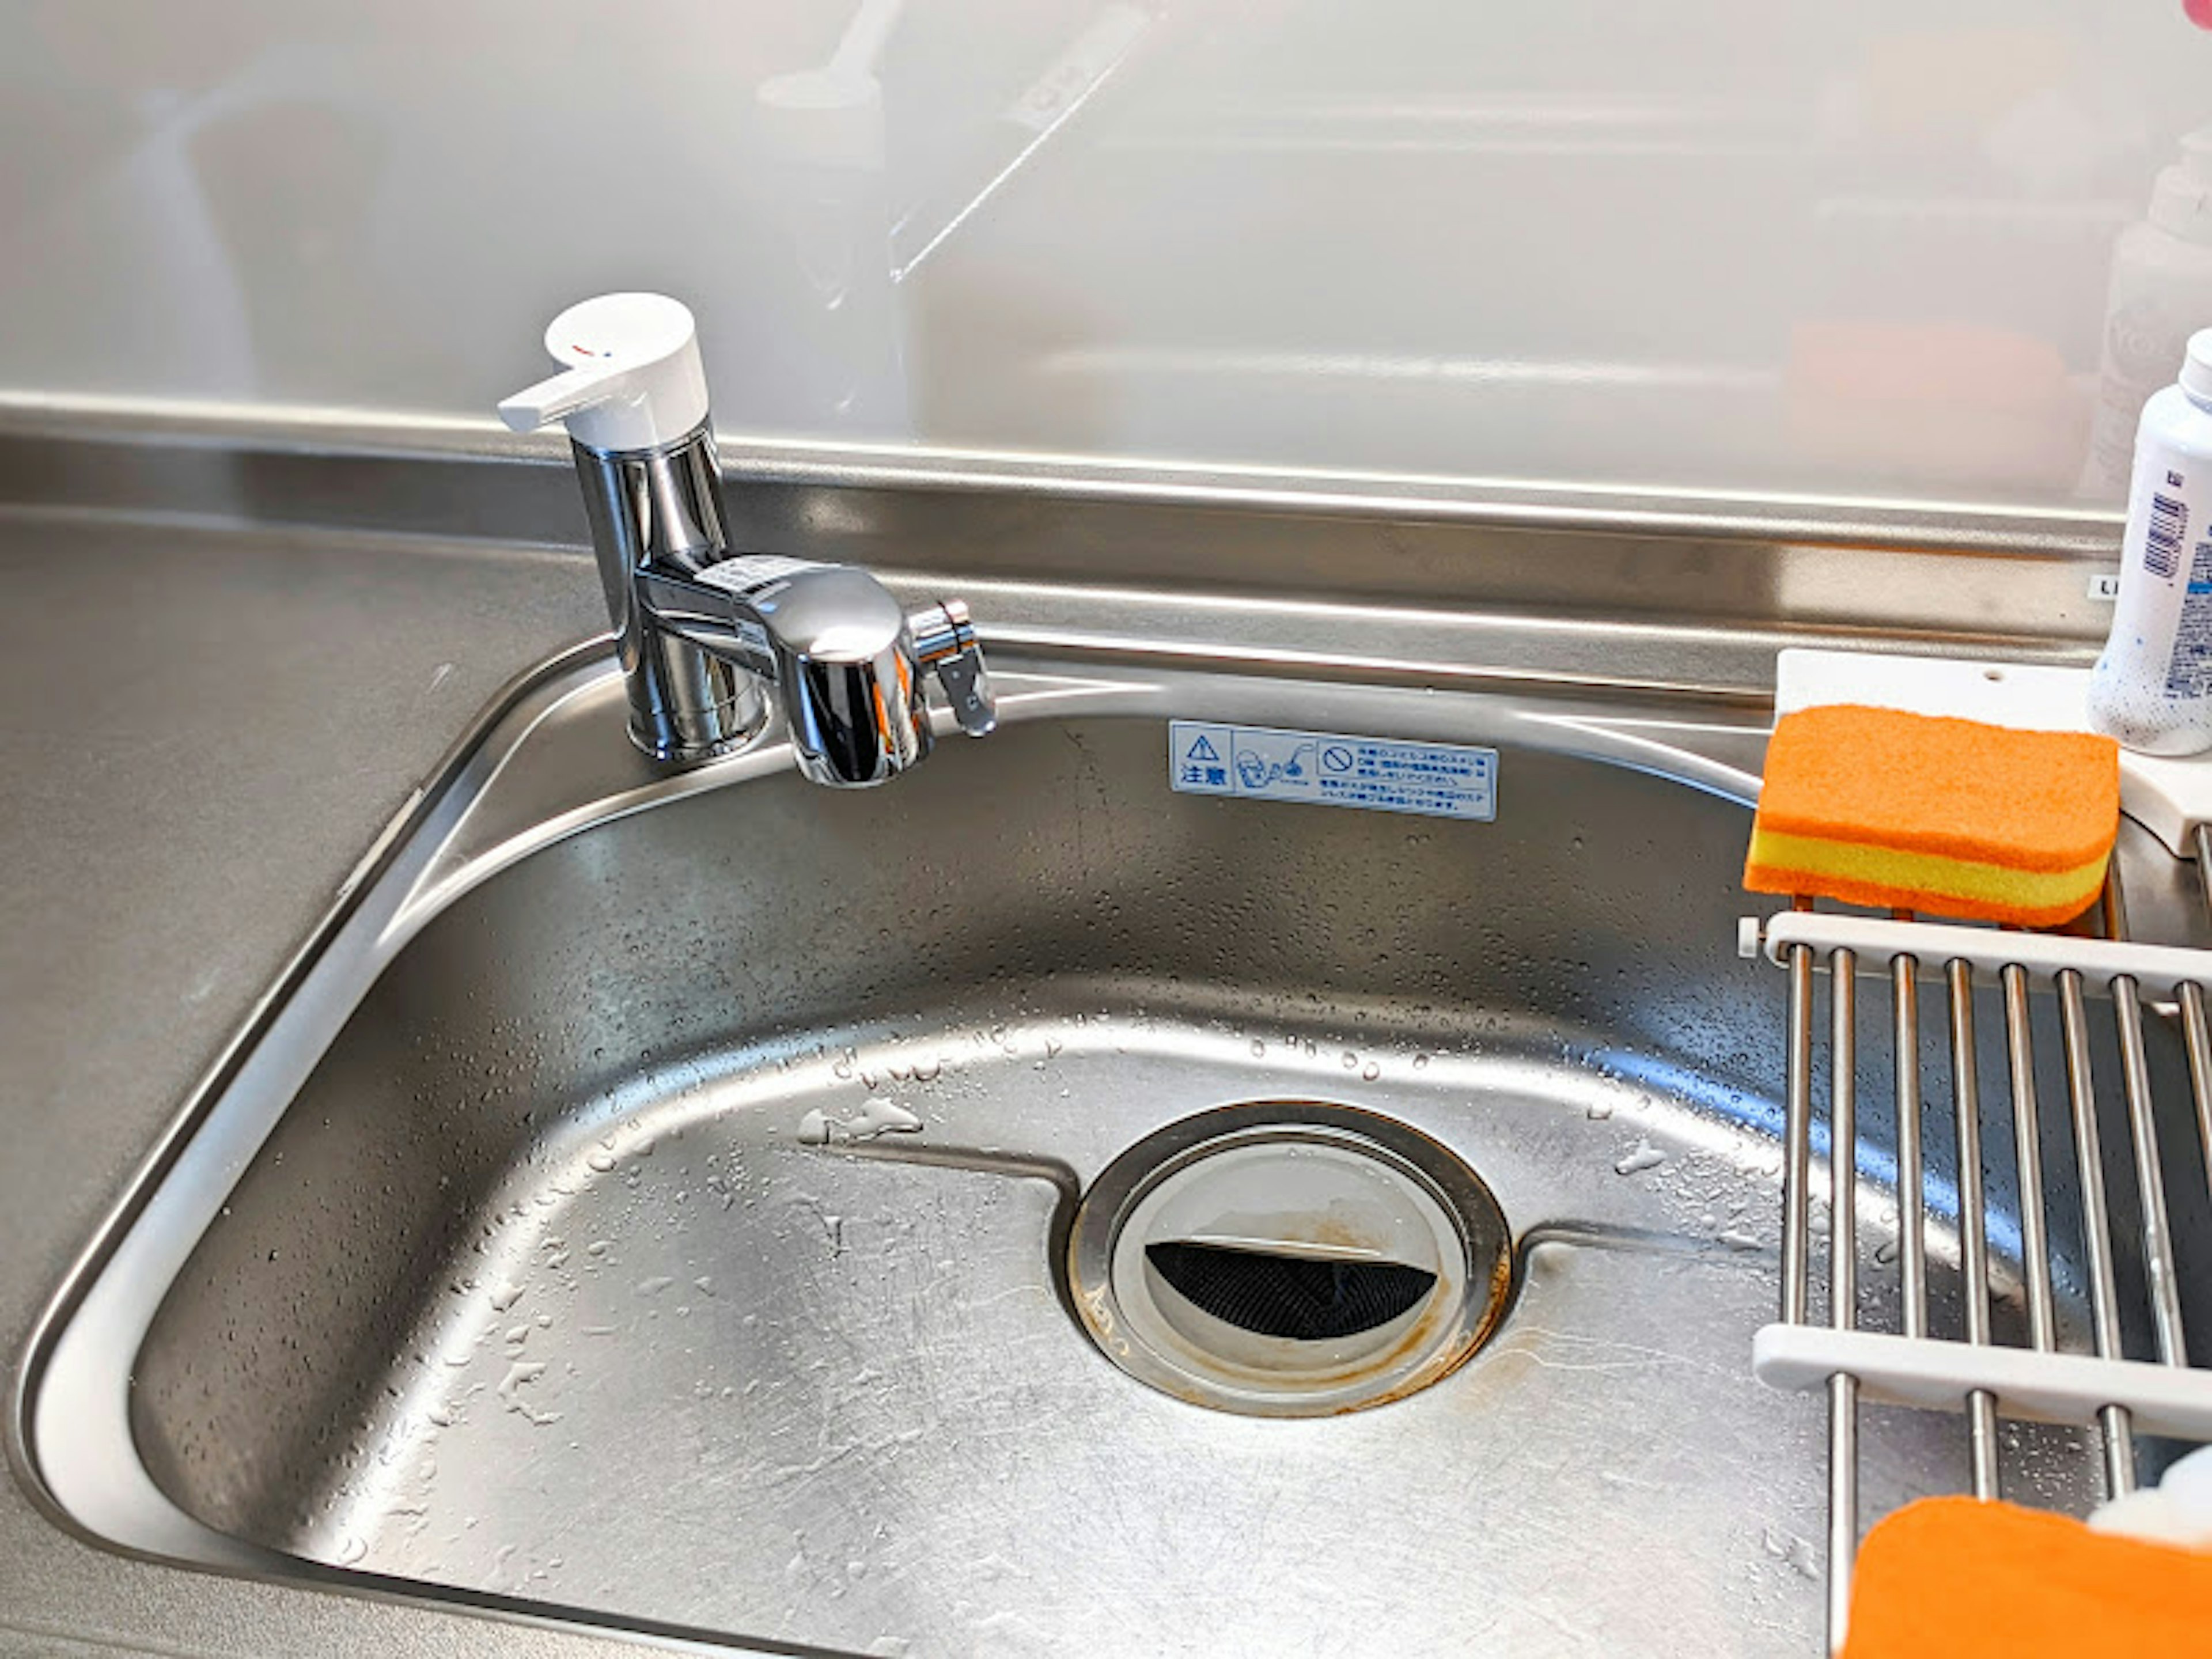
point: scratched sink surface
(646, 1205)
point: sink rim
(444, 841)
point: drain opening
(1302, 1298)
(1289, 1259)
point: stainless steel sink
(648, 1203)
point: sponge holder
(2108, 1390)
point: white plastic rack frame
(2103, 1390)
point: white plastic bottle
(2161, 290)
(2152, 686)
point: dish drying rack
(2115, 1396)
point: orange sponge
(1923, 812)
(1953, 1578)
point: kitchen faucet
(706, 634)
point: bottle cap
(2197, 369)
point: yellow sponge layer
(1878, 807)
(1875, 875)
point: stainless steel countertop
(157, 867)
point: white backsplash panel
(1736, 245)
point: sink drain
(1272, 1294)
(1289, 1259)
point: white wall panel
(1731, 244)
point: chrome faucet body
(710, 637)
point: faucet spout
(845, 656)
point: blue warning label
(1264, 762)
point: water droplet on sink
(1644, 1156)
(1789, 1547)
(600, 1161)
(1369, 1071)
(518, 1376)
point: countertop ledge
(203, 731)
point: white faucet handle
(631, 378)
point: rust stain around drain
(1445, 1332)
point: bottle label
(2152, 687)
(2166, 533)
(2189, 672)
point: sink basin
(649, 1202)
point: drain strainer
(1289, 1259)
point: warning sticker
(1326, 768)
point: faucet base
(689, 729)
(692, 754)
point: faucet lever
(630, 375)
(944, 640)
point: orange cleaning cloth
(1955, 1578)
(1923, 812)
